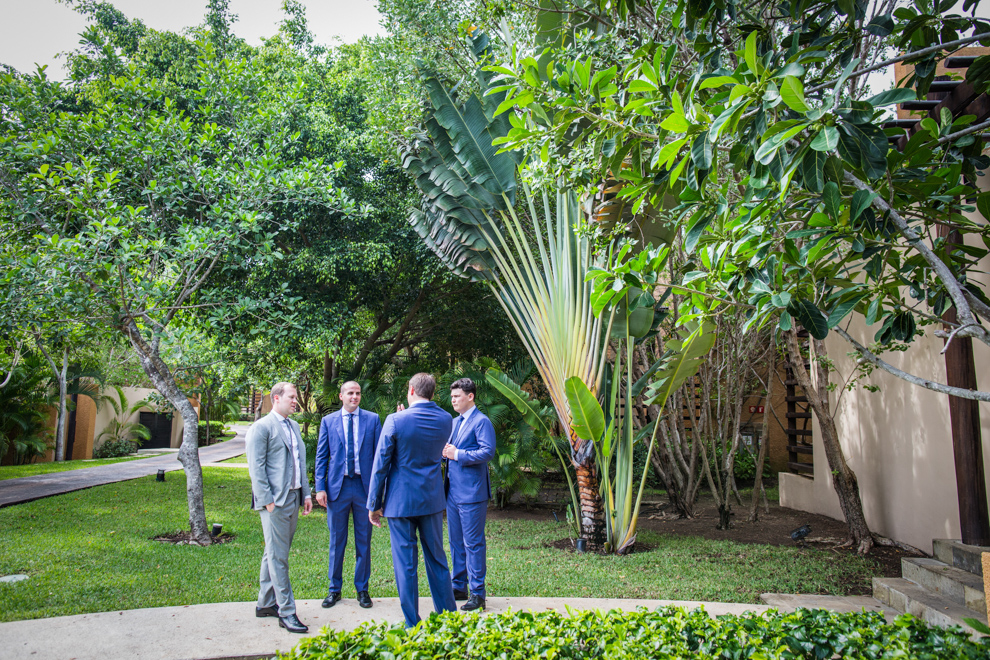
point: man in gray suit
(279, 484)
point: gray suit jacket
(269, 457)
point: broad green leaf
(832, 199)
(520, 398)
(587, 416)
(861, 201)
(695, 229)
(701, 152)
(792, 91)
(892, 96)
(826, 140)
(750, 53)
(675, 123)
(687, 353)
(717, 81)
(809, 316)
(665, 158)
(842, 310)
(813, 170)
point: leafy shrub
(217, 430)
(744, 465)
(666, 633)
(115, 448)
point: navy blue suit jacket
(331, 452)
(406, 479)
(467, 477)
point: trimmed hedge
(666, 633)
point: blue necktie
(350, 447)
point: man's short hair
(350, 382)
(423, 385)
(278, 389)
(465, 385)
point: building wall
(898, 441)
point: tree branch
(971, 326)
(869, 356)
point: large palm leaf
(534, 258)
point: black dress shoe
(331, 600)
(292, 624)
(460, 595)
(364, 600)
(475, 602)
(266, 611)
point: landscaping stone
(13, 578)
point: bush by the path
(666, 633)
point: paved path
(231, 631)
(26, 489)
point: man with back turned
(407, 488)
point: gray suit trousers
(279, 527)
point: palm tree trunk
(591, 516)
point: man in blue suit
(407, 488)
(345, 452)
(471, 446)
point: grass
(90, 551)
(33, 469)
(236, 459)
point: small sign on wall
(756, 409)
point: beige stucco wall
(898, 441)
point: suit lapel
(282, 432)
(464, 429)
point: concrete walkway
(26, 489)
(230, 630)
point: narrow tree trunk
(60, 379)
(844, 479)
(764, 438)
(164, 381)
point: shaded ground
(773, 528)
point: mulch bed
(185, 538)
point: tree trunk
(206, 416)
(60, 379)
(843, 478)
(761, 456)
(590, 517)
(164, 381)
(62, 387)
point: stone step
(958, 554)
(954, 583)
(908, 597)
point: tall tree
(138, 208)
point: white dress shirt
(294, 444)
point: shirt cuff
(457, 453)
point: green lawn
(236, 459)
(89, 551)
(32, 469)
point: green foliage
(24, 407)
(218, 431)
(764, 136)
(667, 632)
(115, 448)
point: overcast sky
(35, 31)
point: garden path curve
(26, 489)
